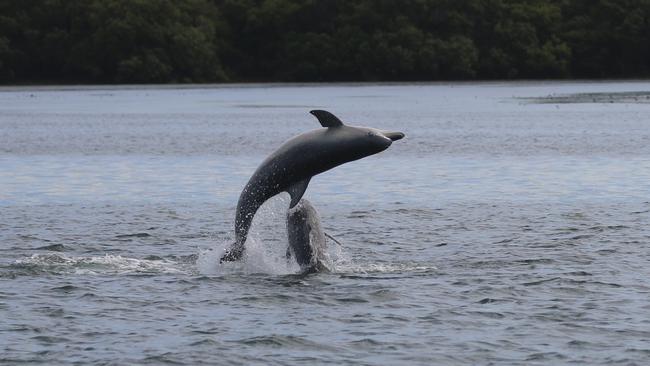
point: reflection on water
(499, 231)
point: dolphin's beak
(394, 136)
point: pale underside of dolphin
(290, 167)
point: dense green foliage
(142, 41)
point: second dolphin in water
(290, 167)
(307, 243)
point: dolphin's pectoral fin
(326, 118)
(296, 191)
(333, 239)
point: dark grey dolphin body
(290, 167)
(307, 243)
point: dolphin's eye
(370, 134)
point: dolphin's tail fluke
(234, 253)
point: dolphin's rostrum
(291, 166)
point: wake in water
(108, 264)
(262, 258)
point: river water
(510, 226)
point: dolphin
(295, 162)
(306, 238)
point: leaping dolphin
(291, 166)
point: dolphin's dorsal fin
(296, 191)
(326, 118)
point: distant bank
(203, 41)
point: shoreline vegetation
(42, 85)
(81, 42)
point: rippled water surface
(509, 227)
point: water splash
(266, 246)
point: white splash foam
(259, 258)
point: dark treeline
(143, 41)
